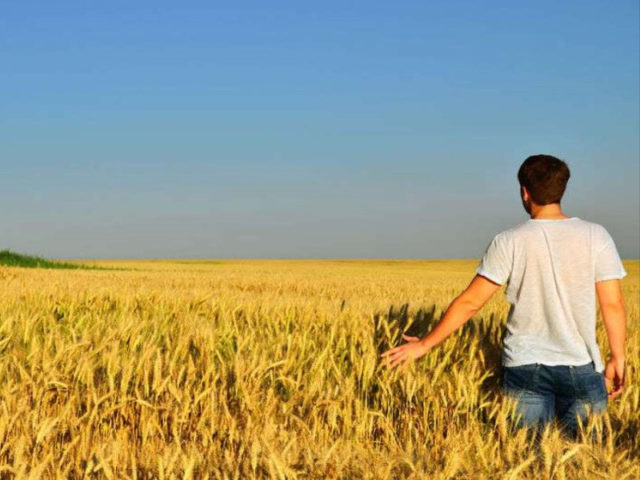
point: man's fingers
(390, 351)
(616, 384)
(390, 354)
(399, 360)
(393, 351)
(386, 360)
(396, 361)
(608, 384)
(393, 359)
(616, 392)
(399, 354)
(389, 358)
(400, 347)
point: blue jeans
(544, 392)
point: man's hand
(463, 307)
(614, 377)
(412, 350)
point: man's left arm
(461, 309)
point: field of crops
(270, 369)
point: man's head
(543, 179)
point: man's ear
(524, 193)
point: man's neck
(552, 211)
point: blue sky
(300, 129)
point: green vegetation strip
(13, 259)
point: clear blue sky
(309, 129)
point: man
(554, 267)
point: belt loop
(536, 375)
(572, 374)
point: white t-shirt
(551, 267)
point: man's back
(551, 266)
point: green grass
(14, 259)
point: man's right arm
(615, 322)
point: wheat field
(271, 369)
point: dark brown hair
(545, 177)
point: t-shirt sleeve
(608, 263)
(497, 262)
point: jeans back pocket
(520, 378)
(589, 384)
